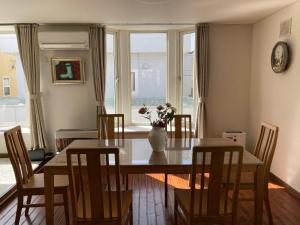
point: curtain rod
(108, 24)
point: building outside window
(148, 55)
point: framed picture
(67, 70)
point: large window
(148, 54)
(151, 68)
(187, 72)
(110, 103)
(14, 109)
(13, 103)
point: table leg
(166, 190)
(49, 196)
(259, 195)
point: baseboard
(280, 182)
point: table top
(138, 152)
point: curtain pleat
(27, 35)
(98, 59)
(202, 77)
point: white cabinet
(236, 136)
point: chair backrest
(93, 175)
(106, 124)
(216, 162)
(18, 155)
(183, 126)
(266, 144)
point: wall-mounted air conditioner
(58, 37)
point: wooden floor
(148, 191)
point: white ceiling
(138, 11)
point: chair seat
(183, 197)
(126, 199)
(37, 182)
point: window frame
(6, 86)
(174, 79)
(179, 87)
(116, 48)
(129, 105)
(10, 30)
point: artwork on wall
(280, 57)
(67, 70)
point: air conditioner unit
(63, 37)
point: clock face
(280, 56)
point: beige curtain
(27, 35)
(98, 59)
(202, 77)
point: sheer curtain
(98, 54)
(27, 35)
(202, 77)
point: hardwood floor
(148, 203)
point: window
(6, 86)
(110, 101)
(187, 72)
(151, 68)
(13, 110)
(148, 54)
(14, 107)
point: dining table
(137, 157)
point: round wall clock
(280, 57)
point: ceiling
(138, 11)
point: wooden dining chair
(113, 129)
(96, 194)
(113, 126)
(28, 183)
(182, 125)
(182, 129)
(215, 203)
(264, 150)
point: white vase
(158, 138)
(158, 158)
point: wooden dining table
(137, 157)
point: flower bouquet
(158, 135)
(165, 114)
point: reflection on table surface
(137, 152)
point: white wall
(275, 97)
(73, 106)
(70, 106)
(229, 68)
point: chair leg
(175, 212)
(190, 180)
(131, 216)
(166, 190)
(19, 209)
(27, 202)
(66, 206)
(268, 206)
(126, 180)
